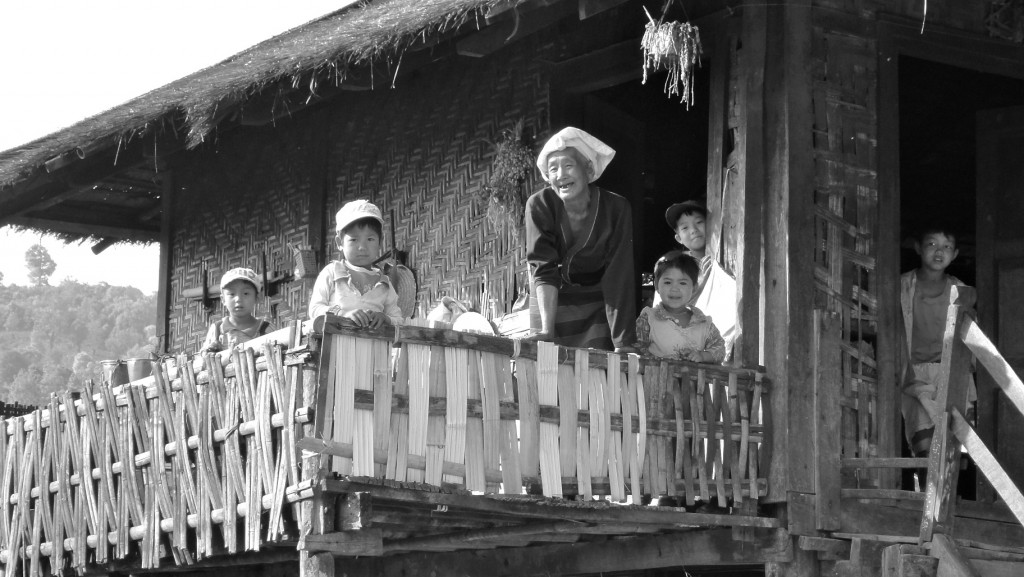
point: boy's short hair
(680, 208)
(245, 274)
(361, 213)
(679, 260)
(938, 229)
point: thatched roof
(322, 49)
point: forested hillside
(54, 336)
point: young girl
(671, 329)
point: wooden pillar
(788, 250)
(316, 515)
(163, 295)
(887, 232)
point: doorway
(939, 174)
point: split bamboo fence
(218, 455)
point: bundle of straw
(676, 46)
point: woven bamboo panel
(168, 470)
(422, 150)
(642, 427)
(243, 198)
(846, 206)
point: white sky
(64, 60)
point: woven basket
(404, 282)
(305, 262)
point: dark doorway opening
(938, 109)
(938, 172)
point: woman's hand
(540, 336)
(368, 319)
(692, 355)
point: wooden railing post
(944, 456)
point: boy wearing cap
(715, 293)
(353, 288)
(238, 290)
(579, 245)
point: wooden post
(944, 456)
(163, 295)
(788, 259)
(827, 419)
(316, 517)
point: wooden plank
(529, 415)
(419, 395)
(511, 474)
(498, 35)
(712, 547)
(491, 391)
(827, 393)
(568, 420)
(988, 355)
(457, 387)
(588, 8)
(547, 387)
(366, 542)
(583, 383)
(613, 404)
(474, 430)
(989, 466)
(951, 562)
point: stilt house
(822, 134)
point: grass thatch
(322, 49)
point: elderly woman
(579, 244)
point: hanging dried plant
(512, 164)
(676, 47)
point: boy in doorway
(715, 293)
(924, 300)
(355, 288)
(239, 288)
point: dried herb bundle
(676, 47)
(512, 164)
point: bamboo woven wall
(450, 413)
(240, 198)
(423, 150)
(170, 465)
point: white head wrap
(598, 153)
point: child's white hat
(598, 153)
(246, 274)
(357, 210)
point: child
(353, 288)
(673, 328)
(924, 298)
(238, 290)
(715, 292)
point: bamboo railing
(489, 414)
(223, 454)
(173, 465)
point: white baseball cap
(246, 274)
(357, 210)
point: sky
(64, 60)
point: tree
(40, 265)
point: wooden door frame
(900, 36)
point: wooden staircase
(937, 550)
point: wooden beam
(355, 511)
(989, 466)
(1000, 370)
(454, 541)
(951, 562)
(567, 512)
(589, 8)
(98, 230)
(368, 542)
(603, 68)
(498, 35)
(714, 547)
